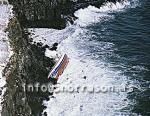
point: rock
(39, 44)
(54, 47)
(55, 44)
(45, 114)
(81, 107)
(0, 91)
(84, 77)
(28, 65)
(50, 13)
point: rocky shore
(29, 64)
(54, 13)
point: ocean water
(107, 46)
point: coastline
(32, 61)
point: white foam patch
(5, 14)
(52, 54)
(48, 36)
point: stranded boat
(59, 67)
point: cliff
(54, 13)
(27, 65)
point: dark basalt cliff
(28, 63)
(54, 13)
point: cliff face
(32, 13)
(49, 13)
(27, 65)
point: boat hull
(59, 68)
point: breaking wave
(92, 14)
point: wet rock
(81, 107)
(39, 44)
(84, 77)
(0, 91)
(54, 47)
(45, 114)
